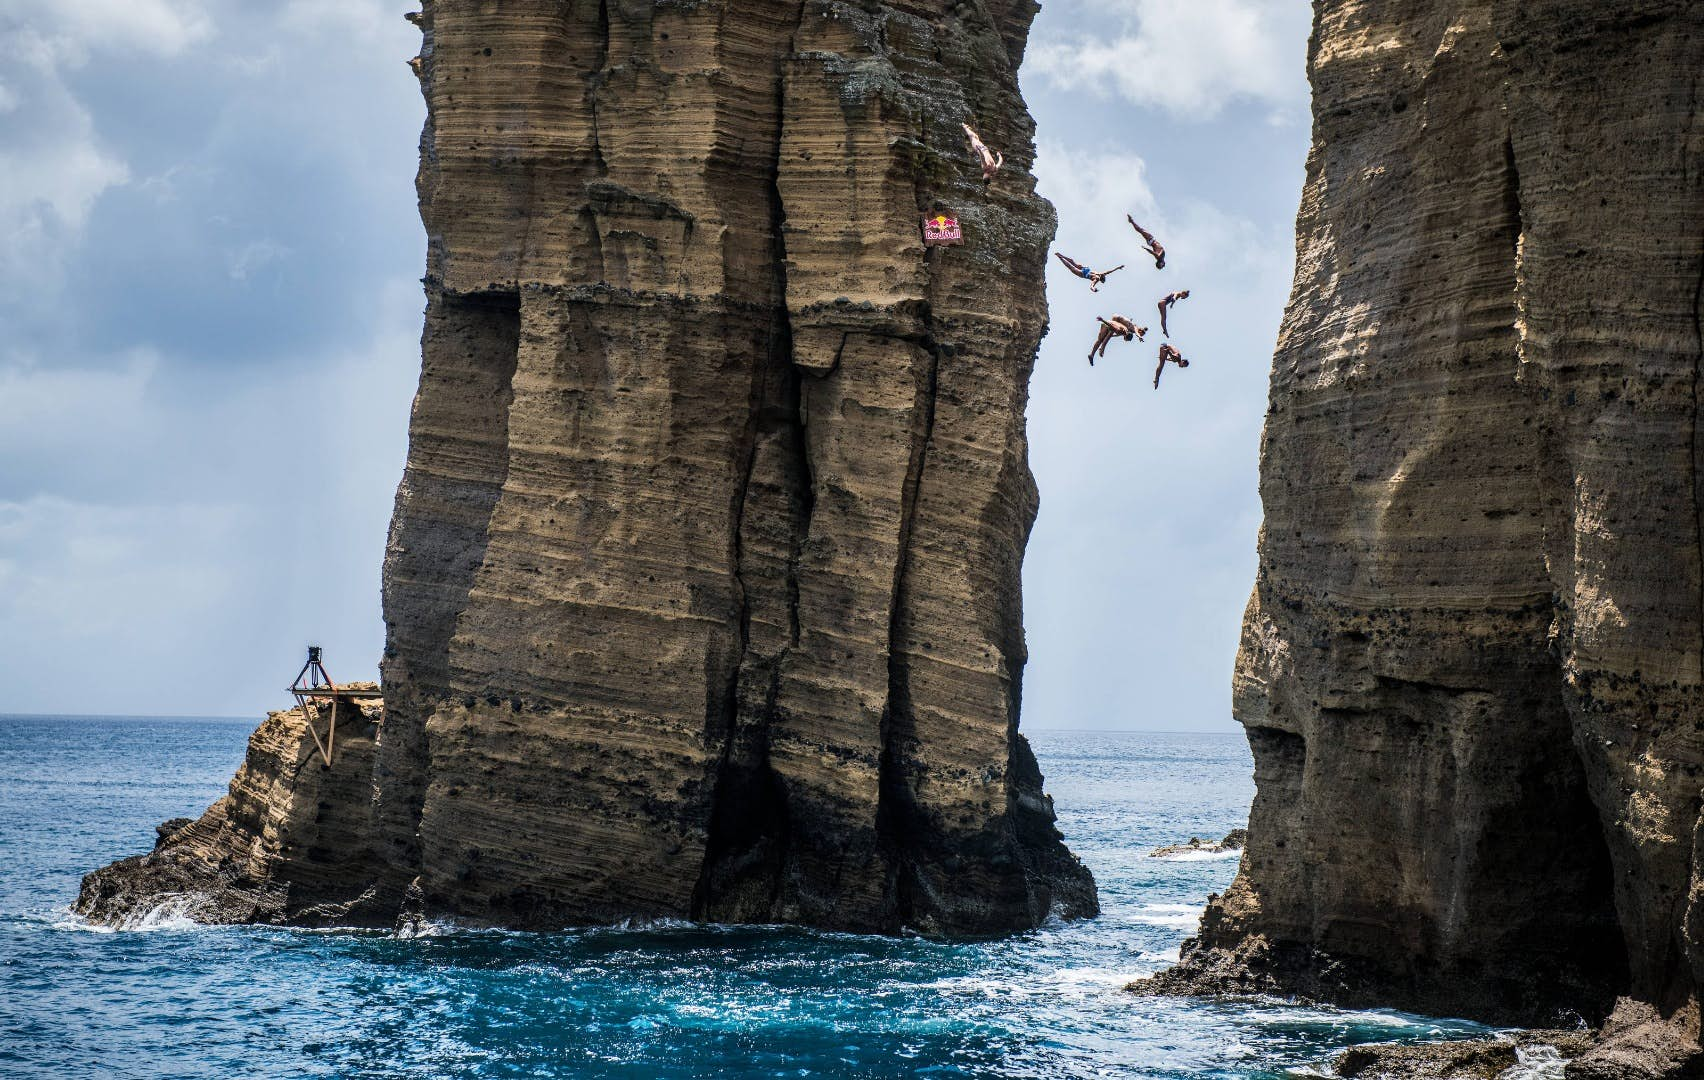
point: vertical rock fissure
(802, 506)
(800, 452)
(1697, 402)
(895, 807)
(723, 710)
(731, 834)
(1512, 206)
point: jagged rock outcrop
(1470, 670)
(1526, 1055)
(1232, 841)
(702, 590)
(282, 846)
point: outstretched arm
(1114, 270)
(1158, 371)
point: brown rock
(702, 589)
(1232, 841)
(282, 846)
(1470, 670)
(1465, 1059)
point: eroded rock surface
(1231, 841)
(702, 589)
(1470, 670)
(1526, 1055)
(284, 845)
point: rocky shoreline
(1516, 1055)
(276, 848)
(1232, 841)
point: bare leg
(1100, 344)
(1106, 339)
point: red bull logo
(941, 229)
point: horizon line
(225, 717)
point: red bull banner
(939, 229)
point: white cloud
(1189, 57)
(251, 257)
(1095, 191)
(52, 408)
(52, 166)
(74, 27)
(145, 533)
(367, 19)
(55, 183)
(81, 575)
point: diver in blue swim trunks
(1092, 277)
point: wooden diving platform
(337, 692)
(313, 684)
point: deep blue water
(673, 1001)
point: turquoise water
(660, 1001)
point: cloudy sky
(209, 323)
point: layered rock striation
(286, 844)
(702, 588)
(1471, 668)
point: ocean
(170, 999)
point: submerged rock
(1470, 670)
(702, 589)
(1525, 1055)
(1233, 841)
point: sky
(209, 341)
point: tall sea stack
(1471, 668)
(702, 589)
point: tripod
(312, 682)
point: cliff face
(1471, 668)
(702, 590)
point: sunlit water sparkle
(170, 999)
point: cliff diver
(1168, 353)
(1093, 277)
(991, 160)
(1165, 306)
(1152, 246)
(1117, 326)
